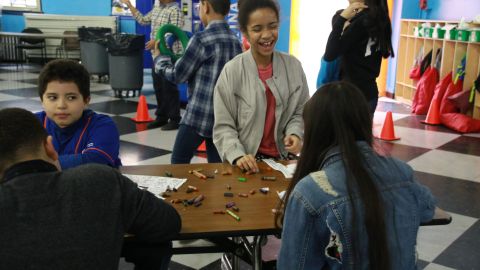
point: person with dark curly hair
(79, 134)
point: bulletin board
(118, 8)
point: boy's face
(63, 103)
(202, 13)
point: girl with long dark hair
(361, 35)
(348, 207)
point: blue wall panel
(283, 43)
(84, 7)
(127, 25)
(12, 23)
(441, 9)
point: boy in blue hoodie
(80, 135)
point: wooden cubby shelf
(452, 53)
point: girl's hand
(353, 9)
(247, 163)
(293, 144)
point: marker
(264, 190)
(193, 187)
(269, 178)
(242, 179)
(226, 172)
(199, 175)
(227, 194)
(243, 195)
(233, 215)
(198, 199)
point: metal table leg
(257, 253)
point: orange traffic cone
(388, 132)
(433, 115)
(142, 111)
(202, 147)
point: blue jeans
(186, 144)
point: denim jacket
(317, 231)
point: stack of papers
(286, 170)
(156, 184)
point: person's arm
(101, 146)
(147, 217)
(141, 19)
(225, 134)
(186, 66)
(339, 41)
(301, 236)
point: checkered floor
(445, 161)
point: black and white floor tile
(445, 161)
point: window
(21, 5)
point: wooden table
(256, 216)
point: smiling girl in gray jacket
(259, 96)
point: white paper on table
(292, 167)
(156, 184)
(281, 194)
(287, 172)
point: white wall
(315, 24)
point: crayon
(233, 215)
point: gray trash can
(125, 57)
(93, 53)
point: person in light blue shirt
(348, 207)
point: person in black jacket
(72, 219)
(361, 36)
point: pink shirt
(268, 145)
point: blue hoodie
(94, 138)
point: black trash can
(125, 57)
(93, 53)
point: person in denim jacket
(348, 207)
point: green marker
(242, 179)
(233, 215)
